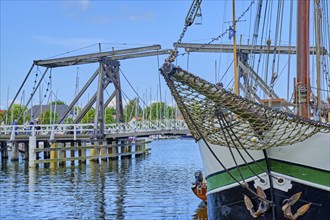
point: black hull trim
(229, 204)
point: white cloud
(82, 5)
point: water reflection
(153, 187)
(32, 180)
(201, 212)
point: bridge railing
(76, 129)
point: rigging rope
(256, 126)
(195, 128)
(289, 55)
(132, 87)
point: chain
(175, 53)
(188, 21)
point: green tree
(109, 112)
(159, 110)
(68, 121)
(132, 109)
(47, 118)
(89, 117)
(2, 114)
(58, 102)
(18, 113)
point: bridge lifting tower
(107, 72)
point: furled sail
(226, 119)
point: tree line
(155, 111)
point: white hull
(313, 152)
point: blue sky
(33, 30)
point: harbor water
(155, 186)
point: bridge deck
(84, 132)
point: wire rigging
(132, 86)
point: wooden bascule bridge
(58, 142)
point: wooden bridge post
(133, 149)
(118, 148)
(72, 152)
(14, 152)
(32, 154)
(103, 152)
(82, 152)
(110, 148)
(46, 153)
(127, 148)
(4, 150)
(63, 154)
(53, 155)
(26, 150)
(137, 147)
(94, 152)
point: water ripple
(153, 187)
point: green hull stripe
(224, 179)
(300, 172)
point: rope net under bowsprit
(219, 115)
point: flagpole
(235, 54)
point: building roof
(36, 110)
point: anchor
(263, 204)
(286, 208)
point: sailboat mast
(302, 83)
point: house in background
(37, 110)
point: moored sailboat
(260, 162)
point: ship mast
(235, 54)
(318, 52)
(302, 83)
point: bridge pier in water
(54, 145)
(4, 150)
(56, 154)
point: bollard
(32, 154)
